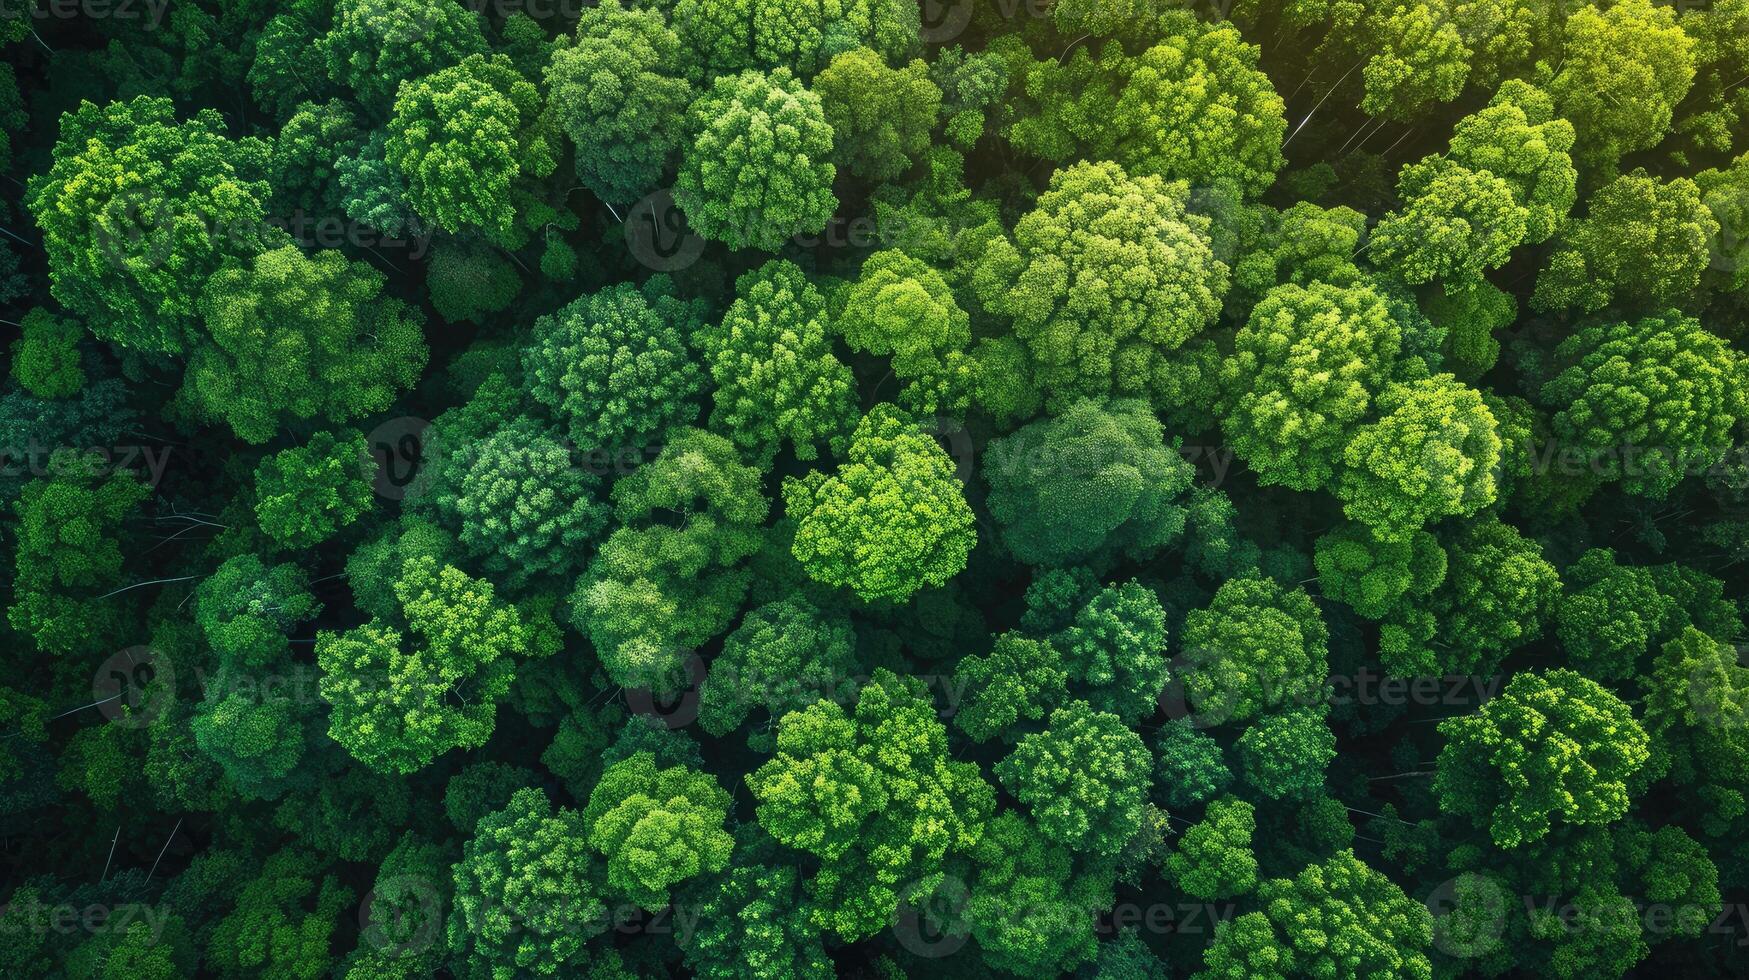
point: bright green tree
(1257, 647)
(304, 495)
(656, 827)
(1091, 809)
(1213, 859)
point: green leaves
(889, 521)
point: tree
(784, 656)
(67, 548)
(881, 117)
(892, 519)
(1378, 579)
(618, 92)
(1090, 484)
(46, 358)
(1552, 746)
(616, 365)
(1455, 225)
(403, 697)
(669, 578)
(758, 168)
(801, 35)
(1609, 614)
(656, 827)
(1623, 72)
(244, 609)
(527, 506)
(140, 210)
(1648, 402)
(1284, 755)
(1643, 242)
(874, 795)
(297, 338)
(1431, 455)
(1115, 651)
(1018, 681)
(304, 495)
(1422, 57)
(1337, 918)
(1303, 375)
(1214, 858)
(1519, 139)
(776, 376)
(461, 137)
(1196, 106)
(283, 922)
(900, 307)
(375, 45)
(1189, 768)
(1084, 809)
(1031, 905)
(1498, 591)
(758, 923)
(528, 892)
(1106, 276)
(1255, 648)
(306, 156)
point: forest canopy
(785, 489)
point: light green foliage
(892, 519)
(1018, 681)
(1423, 58)
(776, 376)
(67, 551)
(528, 506)
(304, 495)
(802, 35)
(757, 169)
(618, 93)
(1257, 647)
(875, 796)
(1106, 276)
(1304, 372)
(1457, 223)
(669, 578)
(402, 697)
(1283, 756)
(1553, 746)
(1647, 402)
(1711, 116)
(784, 656)
(46, 358)
(139, 210)
(1090, 809)
(1195, 106)
(900, 307)
(1338, 918)
(375, 45)
(295, 338)
(306, 157)
(1378, 578)
(1214, 858)
(528, 893)
(461, 137)
(1643, 242)
(881, 117)
(1188, 768)
(1624, 70)
(656, 827)
(1087, 485)
(1431, 455)
(1519, 139)
(1469, 316)
(1304, 244)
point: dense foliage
(784, 489)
